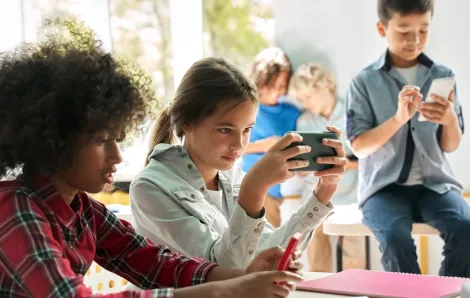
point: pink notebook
(385, 284)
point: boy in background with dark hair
(271, 73)
(404, 175)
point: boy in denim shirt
(404, 175)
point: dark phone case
(314, 140)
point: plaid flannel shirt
(46, 247)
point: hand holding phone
(314, 140)
(441, 87)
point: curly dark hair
(61, 88)
(269, 63)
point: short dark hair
(386, 8)
(59, 89)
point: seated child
(65, 104)
(315, 89)
(270, 72)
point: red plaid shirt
(46, 247)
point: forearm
(220, 273)
(451, 136)
(372, 140)
(251, 198)
(324, 193)
(212, 288)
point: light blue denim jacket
(169, 207)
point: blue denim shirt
(372, 99)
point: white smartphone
(440, 87)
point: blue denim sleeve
(359, 114)
(458, 106)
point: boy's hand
(409, 99)
(441, 112)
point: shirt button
(315, 209)
(72, 247)
(190, 166)
(201, 189)
(260, 224)
(251, 252)
(193, 196)
(229, 190)
(413, 129)
(256, 230)
(310, 215)
(179, 149)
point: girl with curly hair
(193, 198)
(64, 105)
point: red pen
(287, 256)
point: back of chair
(102, 281)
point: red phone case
(291, 247)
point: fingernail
(325, 141)
(319, 159)
(309, 148)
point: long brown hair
(206, 85)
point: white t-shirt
(215, 197)
(416, 171)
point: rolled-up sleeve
(458, 106)
(359, 114)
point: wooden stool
(347, 221)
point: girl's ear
(187, 129)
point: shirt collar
(48, 194)
(176, 159)
(385, 63)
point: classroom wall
(341, 34)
